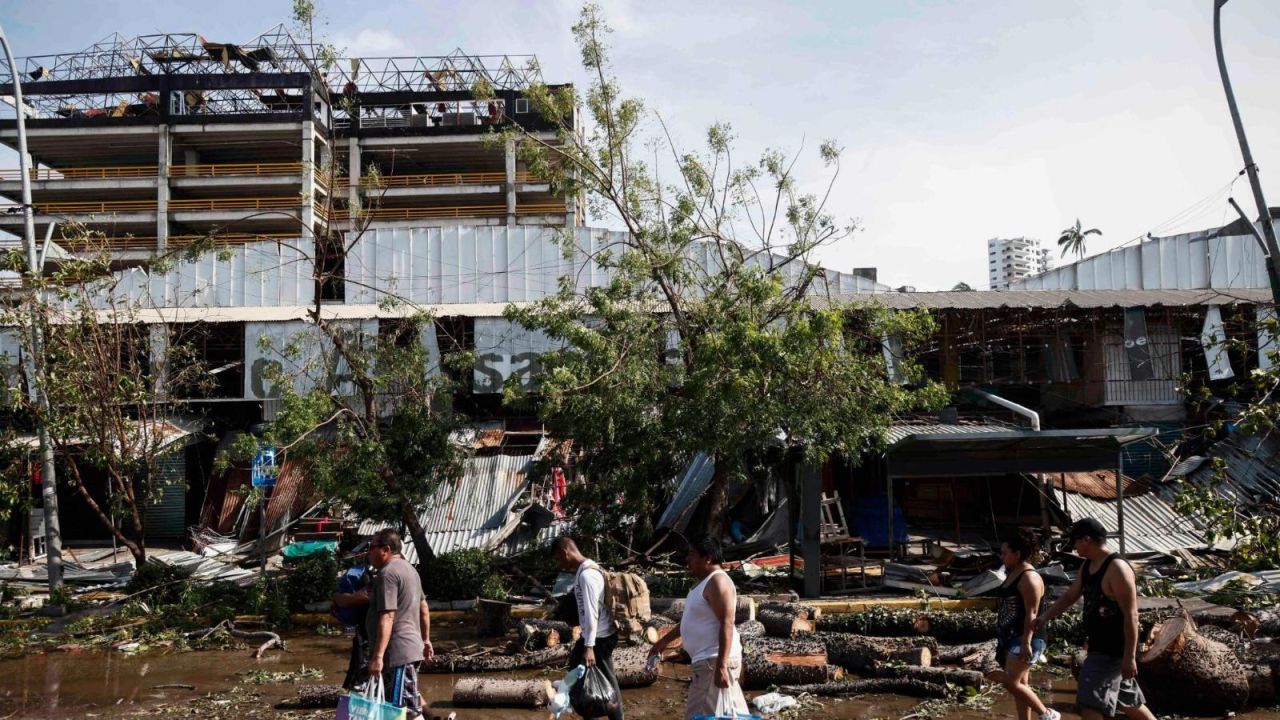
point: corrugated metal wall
(464, 264)
(252, 274)
(1178, 262)
(167, 519)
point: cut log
(655, 627)
(963, 654)
(494, 617)
(496, 663)
(788, 652)
(746, 610)
(539, 634)
(502, 692)
(628, 665)
(937, 676)
(859, 653)
(880, 686)
(1184, 672)
(808, 612)
(782, 625)
(759, 672)
(751, 629)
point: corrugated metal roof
(476, 510)
(1099, 484)
(693, 483)
(1252, 474)
(995, 299)
(897, 433)
(1151, 524)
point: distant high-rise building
(1011, 259)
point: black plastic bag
(593, 696)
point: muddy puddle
(218, 684)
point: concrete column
(511, 181)
(354, 173)
(308, 213)
(164, 159)
(160, 360)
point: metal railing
(255, 203)
(148, 242)
(86, 173)
(82, 207)
(225, 169)
(441, 179)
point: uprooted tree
(716, 331)
(110, 395)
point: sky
(960, 120)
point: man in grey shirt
(399, 623)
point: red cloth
(559, 487)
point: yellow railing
(257, 203)
(438, 179)
(225, 169)
(461, 211)
(86, 173)
(91, 207)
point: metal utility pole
(1267, 240)
(35, 359)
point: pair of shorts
(1101, 685)
(400, 688)
(1038, 646)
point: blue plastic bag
(369, 704)
(351, 581)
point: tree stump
(1184, 672)
(494, 617)
(502, 692)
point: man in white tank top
(709, 635)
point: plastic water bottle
(560, 703)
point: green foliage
(463, 575)
(313, 579)
(716, 332)
(366, 415)
(160, 583)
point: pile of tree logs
(540, 634)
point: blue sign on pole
(263, 472)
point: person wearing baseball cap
(1109, 677)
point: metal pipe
(1034, 418)
(48, 481)
(1271, 251)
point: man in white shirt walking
(709, 635)
(599, 634)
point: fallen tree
(1183, 671)
(502, 692)
(496, 663)
(948, 627)
(879, 686)
(939, 676)
(966, 654)
(861, 654)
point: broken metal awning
(1016, 451)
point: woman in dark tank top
(1022, 598)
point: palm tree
(1072, 239)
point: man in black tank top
(1109, 677)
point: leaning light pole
(1270, 250)
(35, 358)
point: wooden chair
(833, 531)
